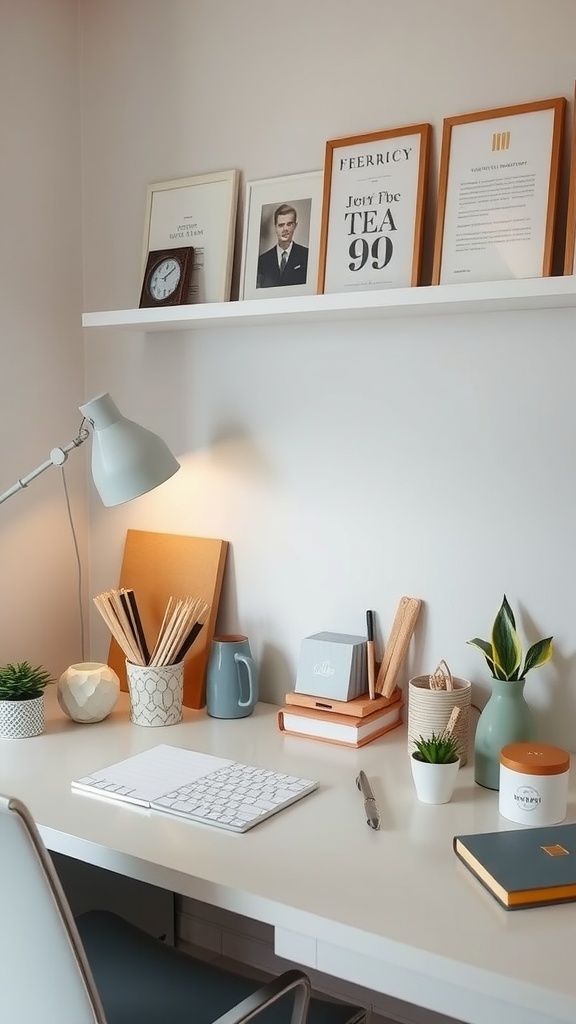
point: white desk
(393, 910)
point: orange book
(349, 730)
(359, 707)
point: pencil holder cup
(156, 693)
(429, 710)
(231, 679)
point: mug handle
(250, 668)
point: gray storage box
(332, 665)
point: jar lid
(535, 758)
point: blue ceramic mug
(231, 680)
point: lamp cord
(78, 563)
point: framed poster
(281, 236)
(198, 212)
(373, 210)
(569, 267)
(498, 189)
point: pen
(370, 654)
(370, 806)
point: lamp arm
(58, 457)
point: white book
(338, 728)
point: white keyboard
(235, 797)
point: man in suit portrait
(286, 262)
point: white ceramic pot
(434, 782)
(20, 719)
(88, 691)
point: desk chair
(100, 969)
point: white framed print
(199, 212)
(281, 236)
(498, 192)
(373, 210)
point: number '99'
(380, 252)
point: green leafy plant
(504, 652)
(22, 682)
(439, 748)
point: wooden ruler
(397, 646)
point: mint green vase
(505, 719)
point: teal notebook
(528, 867)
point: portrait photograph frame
(373, 204)
(198, 211)
(263, 198)
(570, 253)
(498, 193)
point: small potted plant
(435, 763)
(507, 717)
(22, 699)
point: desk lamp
(127, 459)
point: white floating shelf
(486, 297)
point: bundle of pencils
(182, 622)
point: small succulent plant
(504, 651)
(439, 748)
(20, 681)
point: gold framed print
(498, 192)
(569, 267)
(373, 210)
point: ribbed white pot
(429, 711)
(20, 719)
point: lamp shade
(127, 459)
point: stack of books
(351, 722)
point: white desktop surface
(393, 910)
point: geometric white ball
(87, 692)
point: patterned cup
(156, 693)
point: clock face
(165, 279)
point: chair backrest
(44, 975)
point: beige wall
(346, 464)
(42, 375)
(192, 86)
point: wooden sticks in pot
(183, 620)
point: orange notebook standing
(157, 566)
